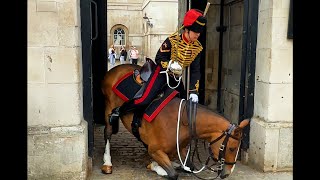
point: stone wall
(232, 59)
(129, 13)
(212, 55)
(57, 133)
(271, 127)
(164, 16)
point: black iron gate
(94, 65)
(248, 65)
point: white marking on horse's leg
(158, 169)
(106, 155)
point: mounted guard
(177, 52)
(157, 95)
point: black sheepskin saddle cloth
(127, 87)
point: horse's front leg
(183, 152)
(106, 168)
(166, 168)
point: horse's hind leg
(163, 160)
(106, 168)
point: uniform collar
(185, 39)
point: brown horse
(160, 134)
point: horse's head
(225, 147)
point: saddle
(141, 76)
(136, 80)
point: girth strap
(135, 124)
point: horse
(159, 134)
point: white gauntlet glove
(193, 97)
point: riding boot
(114, 120)
(127, 107)
(115, 113)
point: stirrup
(115, 111)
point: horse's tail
(108, 81)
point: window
(119, 37)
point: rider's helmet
(194, 20)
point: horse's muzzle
(224, 176)
(225, 173)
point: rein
(222, 149)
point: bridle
(222, 148)
(222, 151)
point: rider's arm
(164, 54)
(195, 75)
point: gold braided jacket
(177, 49)
(182, 51)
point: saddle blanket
(127, 87)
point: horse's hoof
(106, 169)
(149, 166)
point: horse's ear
(244, 123)
(237, 132)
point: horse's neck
(209, 122)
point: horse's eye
(232, 149)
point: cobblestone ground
(130, 158)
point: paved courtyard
(129, 159)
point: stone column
(271, 127)
(57, 133)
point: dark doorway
(236, 68)
(93, 40)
